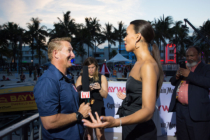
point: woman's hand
(97, 86)
(102, 122)
(121, 95)
(91, 87)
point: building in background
(27, 58)
(170, 54)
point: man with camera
(190, 99)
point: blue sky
(112, 11)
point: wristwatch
(79, 116)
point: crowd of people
(65, 116)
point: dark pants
(188, 129)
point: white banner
(167, 120)
(112, 102)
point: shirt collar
(59, 75)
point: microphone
(85, 94)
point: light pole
(32, 63)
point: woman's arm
(149, 90)
(79, 83)
(104, 87)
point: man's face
(192, 57)
(66, 54)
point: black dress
(96, 100)
(131, 104)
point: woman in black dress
(98, 91)
(142, 87)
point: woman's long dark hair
(89, 61)
(146, 30)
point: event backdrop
(167, 120)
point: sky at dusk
(112, 11)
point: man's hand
(84, 109)
(101, 122)
(184, 72)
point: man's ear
(55, 54)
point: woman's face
(130, 38)
(91, 69)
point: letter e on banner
(85, 94)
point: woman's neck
(91, 76)
(142, 53)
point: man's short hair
(55, 44)
(197, 48)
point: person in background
(98, 91)
(190, 98)
(35, 73)
(30, 70)
(125, 72)
(38, 70)
(22, 77)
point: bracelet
(120, 123)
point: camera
(182, 64)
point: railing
(22, 126)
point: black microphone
(85, 93)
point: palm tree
(41, 45)
(120, 33)
(81, 52)
(204, 30)
(158, 33)
(201, 41)
(113, 53)
(164, 29)
(4, 50)
(93, 28)
(181, 38)
(64, 28)
(36, 36)
(176, 30)
(98, 39)
(13, 33)
(56, 32)
(3, 46)
(109, 35)
(81, 37)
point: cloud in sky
(21, 11)
(112, 11)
